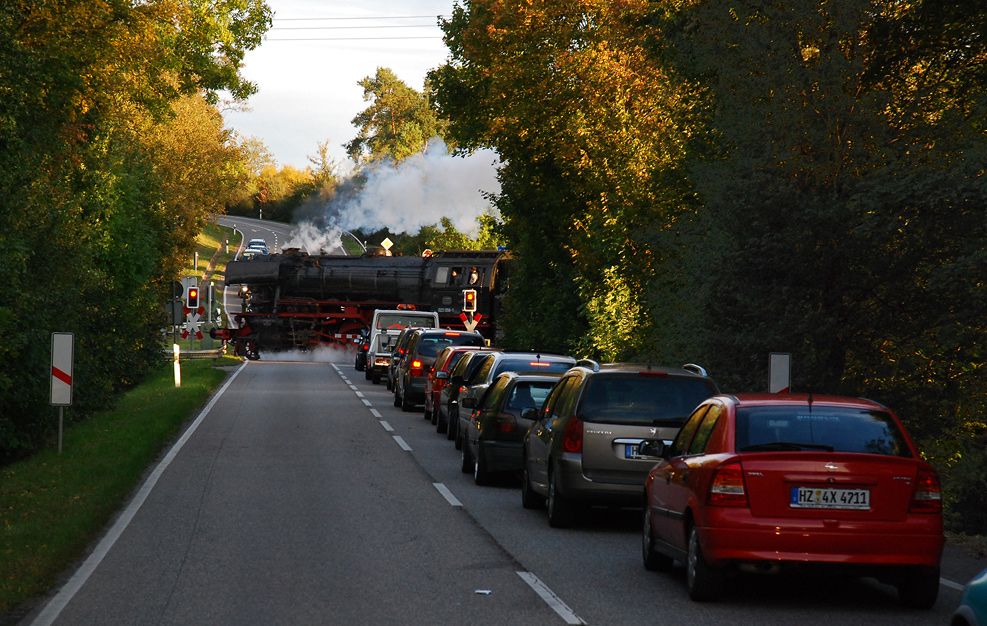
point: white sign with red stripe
(62, 354)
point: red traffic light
(469, 300)
(192, 301)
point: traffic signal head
(469, 300)
(192, 301)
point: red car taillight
(416, 368)
(927, 496)
(572, 437)
(506, 426)
(728, 486)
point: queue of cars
(747, 482)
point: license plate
(631, 451)
(826, 498)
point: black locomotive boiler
(297, 300)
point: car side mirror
(469, 403)
(442, 375)
(655, 448)
(530, 414)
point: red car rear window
(813, 428)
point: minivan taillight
(728, 486)
(416, 368)
(572, 436)
(927, 495)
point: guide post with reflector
(62, 358)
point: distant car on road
(258, 244)
(493, 437)
(413, 370)
(448, 401)
(439, 376)
(493, 365)
(767, 481)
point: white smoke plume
(402, 197)
(313, 239)
(423, 189)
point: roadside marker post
(779, 372)
(62, 358)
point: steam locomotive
(295, 300)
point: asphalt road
(302, 496)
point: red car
(764, 481)
(438, 376)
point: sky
(307, 88)
(307, 71)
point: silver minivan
(583, 446)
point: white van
(384, 329)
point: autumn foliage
(112, 158)
(700, 181)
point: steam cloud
(404, 197)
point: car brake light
(539, 364)
(657, 374)
(927, 495)
(572, 437)
(416, 368)
(728, 486)
(506, 424)
(453, 334)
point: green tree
(842, 202)
(98, 194)
(399, 122)
(591, 133)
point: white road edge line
(63, 597)
(367, 402)
(387, 426)
(550, 598)
(376, 413)
(401, 442)
(451, 499)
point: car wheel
(560, 509)
(375, 379)
(406, 404)
(654, 561)
(367, 373)
(530, 499)
(703, 581)
(397, 398)
(918, 587)
(440, 424)
(467, 466)
(481, 475)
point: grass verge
(52, 507)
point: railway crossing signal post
(469, 315)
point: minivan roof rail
(696, 369)
(588, 363)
